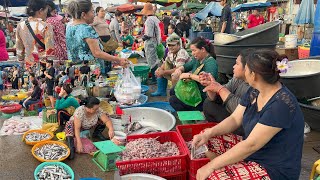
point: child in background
(127, 39)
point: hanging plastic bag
(127, 88)
(188, 92)
(161, 51)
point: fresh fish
(34, 137)
(51, 152)
(54, 172)
(144, 130)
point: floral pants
(238, 171)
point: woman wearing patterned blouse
(87, 117)
(59, 29)
(28, 49)
(82, 39)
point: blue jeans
(28, 103)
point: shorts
(1, 87)
(49, 90)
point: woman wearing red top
(3, 50)
(255, 19)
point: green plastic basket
(53, 118)
(142, 72)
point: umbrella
(250, 5)
(306, 13)
(13, 3)
(213, 8)
(192, 6)
(173, 6)
(129, 7)
(163, 2)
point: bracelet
(190, 76)
(218, 92)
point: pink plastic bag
(87, 145)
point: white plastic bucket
(291, 41)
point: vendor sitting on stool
(34, 97)
(127, 39)
(177, 57)
(67, 104)
(86, 117)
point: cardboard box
(292, 53)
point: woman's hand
(204, 172)
(213, 87)
(123, 62)
(206, 79)
(79, 147)
(111, 133)
(185, 76)
(200, 139)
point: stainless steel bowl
(141, 176)
(153, 117)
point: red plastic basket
(303, 52)
(9, 109)
(168, 167)
(187, 132)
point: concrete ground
(17, 162)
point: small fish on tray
(34, 137)
(51, 152)
(53, 172)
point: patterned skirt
(244, 170)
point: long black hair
(90, 101)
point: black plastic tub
(226, 63)
(311, 116)
(267, 33)
(303, 78)
(234, 50)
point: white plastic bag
(127, 88)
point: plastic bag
(161, 51)
(188, 92)
(127, 88)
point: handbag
(34, 36)
(110, 45)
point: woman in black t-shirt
(34, 97)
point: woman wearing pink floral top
(60, 48)
(28, 50)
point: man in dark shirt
(84, 73)
(225, 23)
(50, 80)
(166, 22)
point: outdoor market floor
(17, 162)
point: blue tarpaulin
(305, 14)
(249, 6)
(212, 9)
(14, 3)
